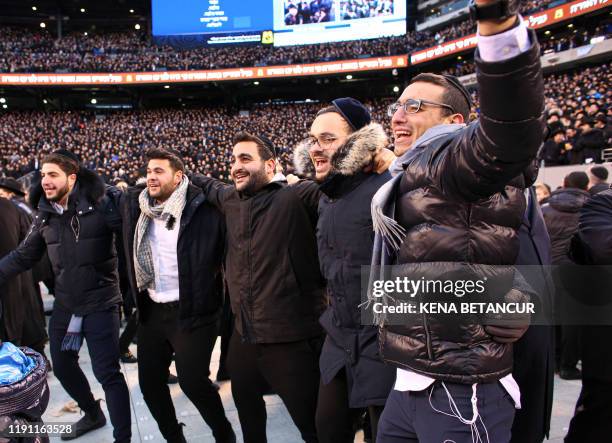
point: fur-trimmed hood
(90, 185)
(355, 154)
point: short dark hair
(66, 164)
(264, 148)
(601, 172)
(165, 154)
(451, 97)
(576, 179)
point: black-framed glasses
(325, 142)
(413, 105)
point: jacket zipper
(427, 338)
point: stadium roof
(75, 13)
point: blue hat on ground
(353, 112)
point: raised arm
(216, 192)
(491, 152)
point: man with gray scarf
(457, 197)
(175, 244)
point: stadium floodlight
(93, 101)
(131, 11)
(34, 8)
(5, 106)
(349, 77)
(45, 101)
(137, 26)
(2, 100)
(166, 86)
(256, 83)
(82, 9)
(43, 25)
(85, 33)
(547, 33)
(396, 89)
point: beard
(164, 192)
(257, 180)
(60, 194)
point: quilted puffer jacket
(461, 200)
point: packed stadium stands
(113, 142)
(24, 50)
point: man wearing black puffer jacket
(459, 198)
(340, 155)
(76, 223)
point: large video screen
(278, 22)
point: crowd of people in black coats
(578, 102)
(286, 248)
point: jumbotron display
(277, 22)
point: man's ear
(455, 119)
(270, 166)
(72, 178)
(178, 177)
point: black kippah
(68, 154)
(457, 84)
(268, 144)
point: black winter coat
(200, 249)
(22, 319)
(534, 352)
(561, 213)
(461, 200)
(275, 286)
(590, 145)
(592, 245)
(345, 237)
(80, 243)
(553, 153)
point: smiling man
(458, 197)
(175, 242)
(340, 153)
(76, 221)
(275, 287)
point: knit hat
(353, 111)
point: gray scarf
(169, 211)
(389, 234)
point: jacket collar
(397, 166)
(195, 197)
(351, 158)
(275, 184)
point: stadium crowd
(23, 50)
(113, 143)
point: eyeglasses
(413, 105)
(323, 142)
